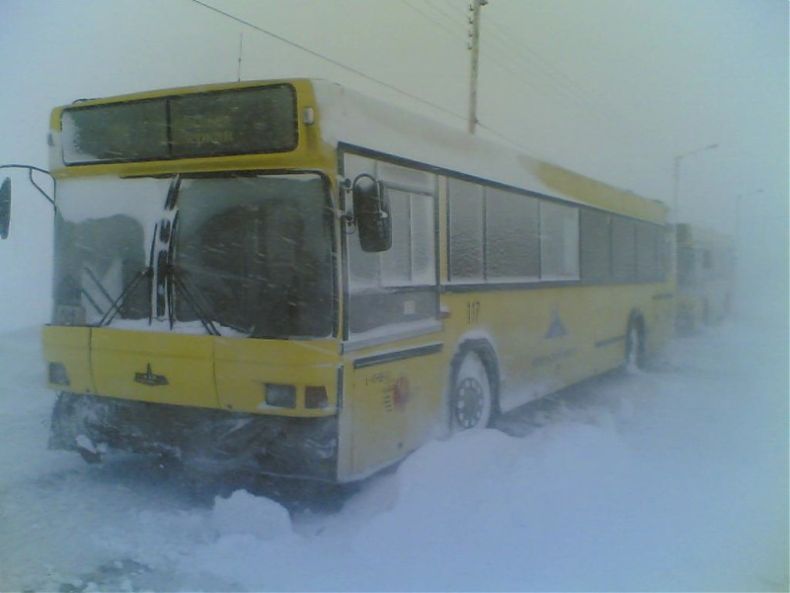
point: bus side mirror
(372, 214)
(5, 207)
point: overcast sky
(612, 88)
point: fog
(614, 89)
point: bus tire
(473, 389)
(634, 345)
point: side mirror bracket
(5, 195)
(5, 207)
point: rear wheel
(472, 402)
(634, 347)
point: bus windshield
(252, 254)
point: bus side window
(397, 285)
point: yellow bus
(705, 276)
(293, 276)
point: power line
(356, 71)
(560, 80)
(542, 63)
(430, 18)
(327, 59)
(453, 13)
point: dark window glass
(596, 246)
(623, 250)
(512, 239)
(686, 266)
(466, 231)
(256, 253)
(237, 122)
(255, 120)
(115, 132)
(647, 253)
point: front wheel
(471, 401)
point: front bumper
(278, 445)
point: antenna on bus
(238, 71)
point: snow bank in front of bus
(671, 479)
(447, 520)
(665, 480)
(244, 514)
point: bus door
(391, 327)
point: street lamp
(676, 177)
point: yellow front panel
(70, 346)
(395, 404)
(164, 368)
(244, 367)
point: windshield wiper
(115, 307)
(200, 308)
(115, 304)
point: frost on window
(411, 261)
(240, 121)
(414, 179)
(397, 286)
(559, 241)
(512, 240)
(103, 232)
(596, 246)
(623, 250)
(250, 252)
(466, 231)
(423, 243)
(396, 261)
(115, 132)
(256, 252)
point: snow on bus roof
(347, 116)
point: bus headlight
(281, 396)
(58, 374)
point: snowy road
(673, 479)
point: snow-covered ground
(672, 479)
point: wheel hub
(469, 402)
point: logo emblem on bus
(556, 328)
(150, 378)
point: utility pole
(238, 71)
(474, 47)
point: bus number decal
(473, 312)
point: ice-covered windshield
(249, 254)
(257, 251)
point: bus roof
(348, 117)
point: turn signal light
(315, 397)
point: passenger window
(559, 241)
(512, 237)
(466, 231)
